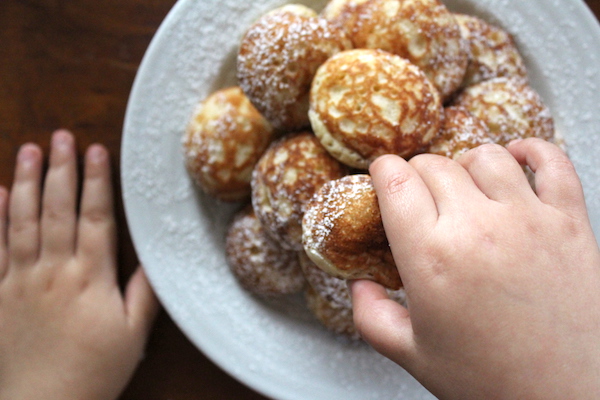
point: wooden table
(71, 64)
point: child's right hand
(503, 283)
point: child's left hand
(66, 330)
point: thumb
(382, 322)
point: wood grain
(71, 64)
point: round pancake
(343, 234)
(277, 60)
(492, 51)
(510, 108)
(334, 317)
(422, 31)
(260, 264)
(284, 180)
(223, 141)
(366, 103)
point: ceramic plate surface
(278, 348)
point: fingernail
(62, 140)
(514, 141)
(26, 154)
(96, 154)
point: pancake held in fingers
(278, 58)
(285, 179)
(421, 31)
(343, 234)
(366, 103)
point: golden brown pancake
(343, 233)
(422, 31)
(492, 51)
(223, 141)
(278, 58)
(284, 180)
(366, 103)
(510, 108)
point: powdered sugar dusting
(326, 207)
(258, 262)
(278, 58)
(278, 348)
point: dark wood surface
(71, 64)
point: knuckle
(23, 226)
(429, 163)
(96, 216)
(483, 152)
(561, 163)
(56, 214)
(397, 183)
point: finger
(96, 231)
(449, 183)
(3, 231)
(59, 201)
(141, 303)
(24, 207)
(407, 207)
(381, 322)
(556, 180)
(497, 174)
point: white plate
(278, 349)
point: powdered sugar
(326, 208)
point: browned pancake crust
(334, 317)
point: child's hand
(503, 284)
(66, 331)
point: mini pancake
(366, 103)
(223, 141)
(343, 234)
(334, 317)
(422, 31)
(492, 51)
(260, 264)
(284, 180)
(278, 58)
(460, 132)
(510, 108)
